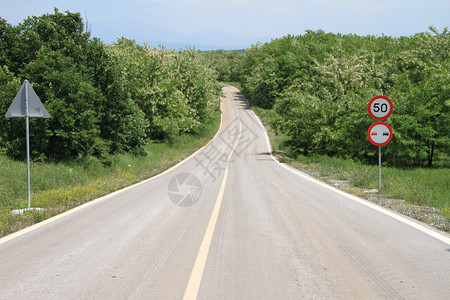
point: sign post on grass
(27, 105)
(380, 133)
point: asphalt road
(227, 223)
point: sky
(237, 24)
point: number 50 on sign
(380, 107)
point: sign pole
(380, 133)
(27, 105)
(379, 167)
(27, 125)
(27, 120)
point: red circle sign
(379, 133)
(380, 107)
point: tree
(318, 85)
(78, 82)
(10, 85)
(177, 91)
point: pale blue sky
(234, 24)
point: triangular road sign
(18, 108)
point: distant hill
(156, 35)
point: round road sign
(379, 133)
(380, 107)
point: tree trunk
(430, 155)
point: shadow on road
(240, 101)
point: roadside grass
(425, 187)
(58, 187)
(416, 186)
(429, 187)
(277, 140)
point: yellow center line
(31, 228)
(200, 262)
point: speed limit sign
(380, 107)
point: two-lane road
(229, 222)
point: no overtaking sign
(379, 134)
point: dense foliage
(101, 99)
(317, 86)
(228, 64)
(176, 90)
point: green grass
(57, 187)
(429, 187)
(278, 140)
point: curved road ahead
(227, 223)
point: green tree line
(317, 87)
(102, 99)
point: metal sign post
(27, 105)
(379, 167)
(380, 133)
(27, 125)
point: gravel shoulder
(429, 215)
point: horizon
(237, 24)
